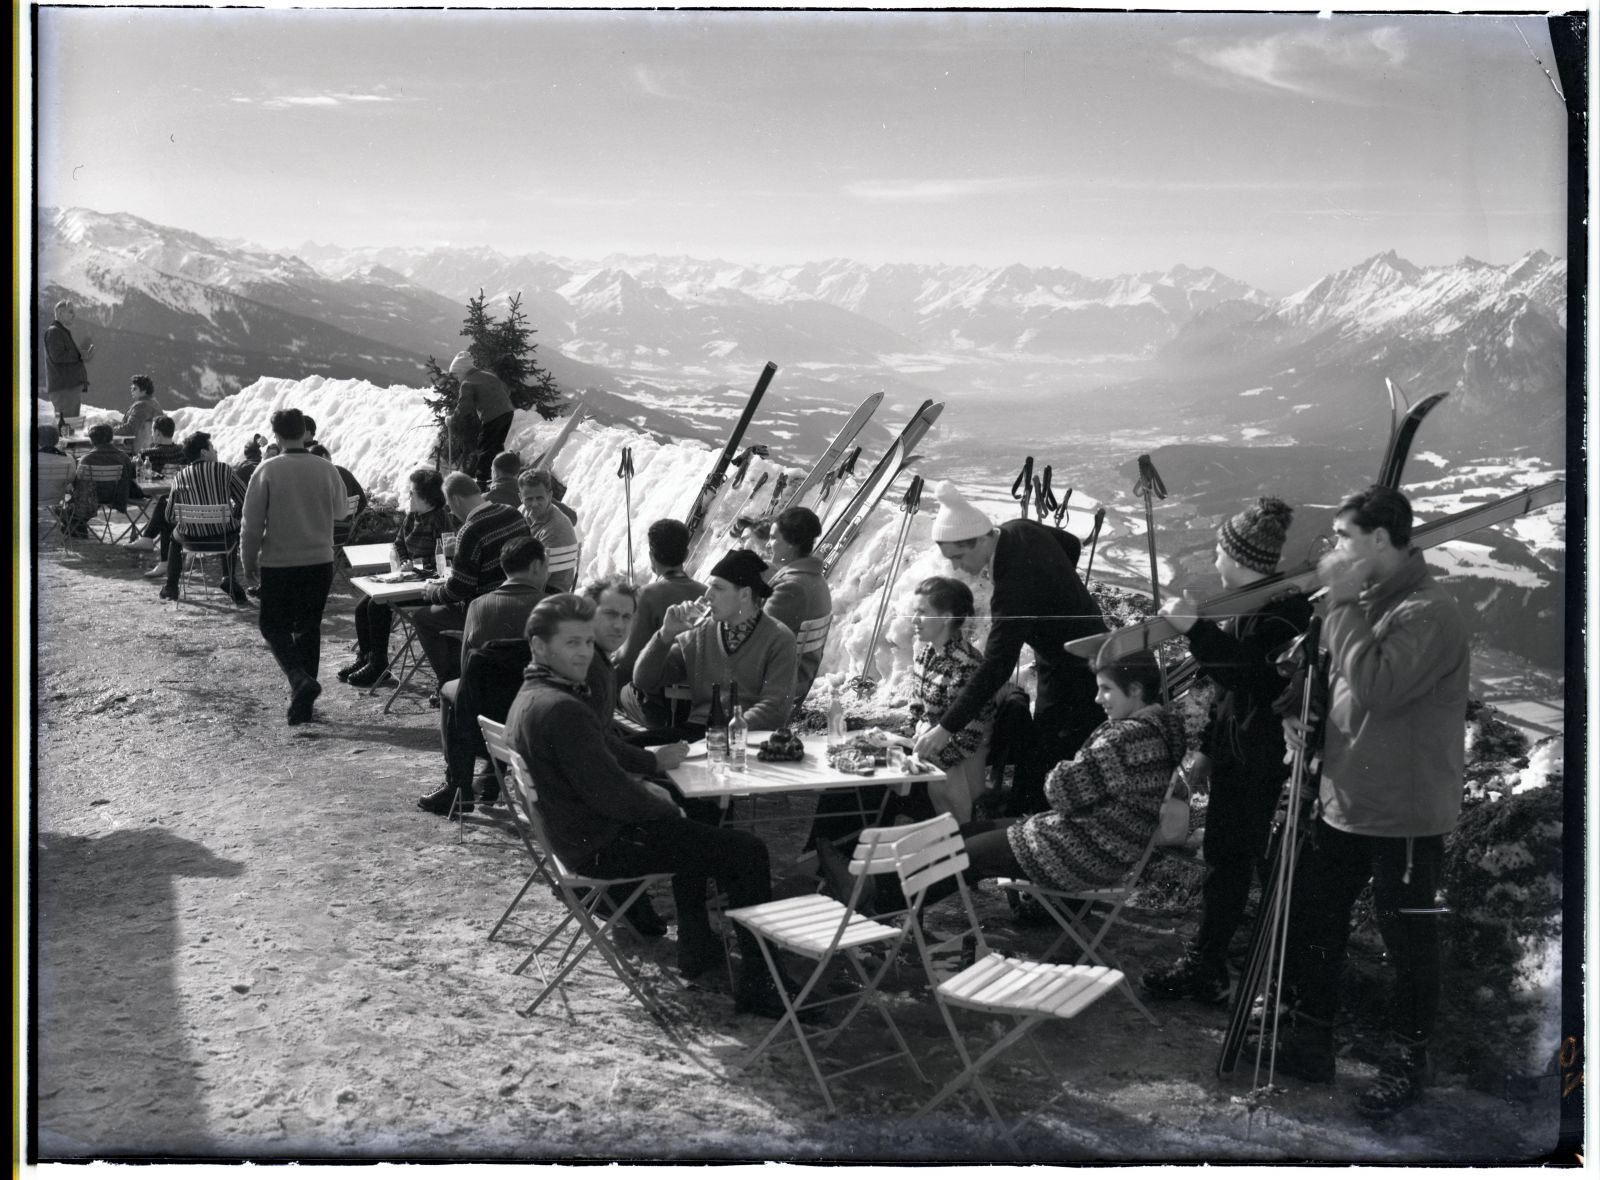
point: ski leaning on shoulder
(695, 518)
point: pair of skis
(841, 532)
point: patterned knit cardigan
(1104, 803)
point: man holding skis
(1391, 788)
(1038, 600)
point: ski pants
(1333, 869)
(491, 441)
(292, 601)
(1238, 822)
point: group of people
(586, 681)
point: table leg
(407, 661)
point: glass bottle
(738, 733)
(838, 732)
(717, 730)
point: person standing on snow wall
(1242, 743)
(1040, 601)
(485, 395)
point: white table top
(693, 777)
(368, 557)
(397, 593)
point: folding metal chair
(52, 511)
(562, 559)
(1073, 909)
(344, 530)
(197, 550)
(996, 985)
(109, 482)
(584, 897)
(821, 928)
(500, 756)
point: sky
(1276, 148)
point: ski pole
(1151, 487)
(625, 473)
(1044, 500)
(1061, 508)
(1022, 486)
(1094, 540)
(908, 505)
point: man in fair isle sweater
(604, 822)
(286, 545)
(734, 643)
(475, 570)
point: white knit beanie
(957, 520)
(461, 365)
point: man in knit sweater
(734, 643)
(1038, 600)
(475, 570)
(800, 594)
(286, 545)
(604, 822)
(551, 526)
(668, 542)
(483, 394)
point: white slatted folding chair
(1074, 911)
(344, 530)
(53, 512)
(197, 550)
(821, 928)
(108, 481)
(585, 898)
(500, 756)
(562, 559)
(1027, 992)
(813, 635)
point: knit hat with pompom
(958, 520)
(1254, 538)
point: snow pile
(381, 434)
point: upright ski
(832, 547)
(1157, 629)
(921, 422)
(836, 449)
(695, 518)
(1404, 419)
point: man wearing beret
(1038, 600)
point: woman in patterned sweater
(425, 520)
(1104, 803)
(942, 664)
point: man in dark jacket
(604, 822)
(1392, 764)
(483, 394)
(800, 598)
(1038, 600)
(66, 375)
(1242, 744)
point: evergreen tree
(503, 347)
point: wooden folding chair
(1073, 910)
(585, 898)
(994, 984)
(197, 550)
(500, 756)
(821, 928)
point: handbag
(1173, 830)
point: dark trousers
(1334, 867)
(491, 441)
(1058, 731)
(374, 621)
(441, 651)
(292, 601)
(159, 525)
(174, 559)
(693, 853)
(1238, 822)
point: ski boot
(1190, 977)
(1406, 1071)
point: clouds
(945, 190)
(286, 102)
(1321, 63)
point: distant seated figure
(668, 542)
(550, 525)
(202, 481)
(503, 473)
(426, 520)
(344, 529)
(733, 643)
(493, 656)
(164, 452)
(800, 598)
(604, 822)
(141, 417)
(56, 472)
(1104, 804)
(88, 494)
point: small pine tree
(503, 347)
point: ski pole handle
(1061, 509)
(1022, 486)
(1149, 480)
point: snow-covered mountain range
(1191, 345)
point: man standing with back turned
(486, 396)
(286, 544)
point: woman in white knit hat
(1040, 601)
